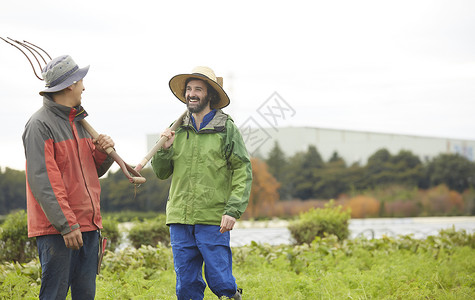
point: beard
(202, 104)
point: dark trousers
(63, 267)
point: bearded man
(210, 187)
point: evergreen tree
(334, 178)
(453, 170)
(278, 166)
(307, 175)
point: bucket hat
(177, 84)
(60, 73)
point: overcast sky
(403, 67)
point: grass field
(438, 267)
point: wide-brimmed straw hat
(60, 73)
(177, 84)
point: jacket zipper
(82, 173)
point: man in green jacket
(210, 186)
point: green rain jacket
(211, 170)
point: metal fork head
(32, 49)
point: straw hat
(177, 84)
(60, 73)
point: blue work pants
(194, 244)
(63, 267)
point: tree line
(306, 175)
(303, 176)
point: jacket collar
(64, 112)
(216, 124)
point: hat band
(201, 75)
(62, 77)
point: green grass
(440, 267)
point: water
(276, 232)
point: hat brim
(177, 86)
(75, 77)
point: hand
(73, 240)
(170, 136)
(103, 142)
(227, 223)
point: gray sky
(383, 66)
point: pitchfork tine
(32, 66)
(39, 48)
(36, 51)
(28, 48)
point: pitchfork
(32, 48)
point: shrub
(330, 220)
(150, 232)
(111, 231)
(14, 242)
(129, 215)
(402, 209)
(441, 201)
(363, 207)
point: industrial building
(352, 146)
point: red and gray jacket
(62, 172)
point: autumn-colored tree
(363, 207)
(264, 192)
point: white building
(352, 146)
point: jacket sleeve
(103, 162)
(162, 163)
(240, 165)
(44, 178)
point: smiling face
(70, 96)
(196, 95)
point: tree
(384, 169)
(279, 168)
(307, 174)
(334, 178)
(336, 158)
(277, 162)
(118, 194)
(264, 193)
(378, 169)
(12, 190)
(453, 170)
(408, 168)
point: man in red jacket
(63, 166)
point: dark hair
(213, 95)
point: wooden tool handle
(137, 179)
(93, 133)
(160, 142)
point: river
(275, 232)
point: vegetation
(14, 242)
(150, 232)
(323, 264)
(110, 230)
(438, 267)
(331, 220)
(399, 185)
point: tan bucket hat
(177, 84)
